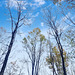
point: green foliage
(35, 35)
(25, 40)
(34, 40)
(34, 45)
(42, 37)
(56, 59)
(36, 31)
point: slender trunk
(61, 53)
(33, 62)
(38, 60)
(9, 50)
(53, 66)
(63, 63)
(52, 63)
(33, 68)
(37, 66)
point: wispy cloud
(40, 2)
(35, 15)
(36, 4)
(14, 3)
(42, 24)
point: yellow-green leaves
(42, 37)
(35, 36)
(55, 58)
(36, 31)
(25, 40)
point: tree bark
(61, 52)
(8, 51)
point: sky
(36, 14)
(35, 9)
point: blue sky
(36, 15)
(36, 5)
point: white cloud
(42, 24)
(37, 3)
(13, 3)
(24, 8)
(35, 15)
(40, 2)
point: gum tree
(34, 45)
(16, 22)
(57, 60)
(53, 25)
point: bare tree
(15, 25)
(54, 27)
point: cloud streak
(40, 2)
(14, 4)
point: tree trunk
(33, 68)
(61, 53)
(9, 50)
(51, 56)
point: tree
(34, 46)
(65, 7)
(54, 27)
(49, 45)
(70, 40)
(57, 60)
(15, 25)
